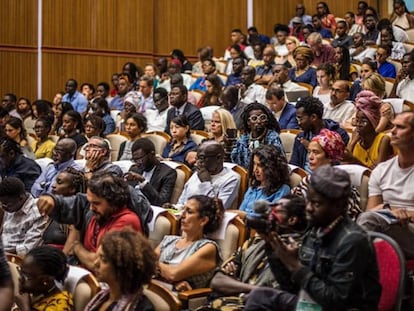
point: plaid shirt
(23, 230)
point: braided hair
(78, 179)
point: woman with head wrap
(327, 148)
(367, 146)
(303, 72)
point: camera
(262, 220)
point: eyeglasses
(356, 121)
(255, 118)
(333, 90)
(139, 159)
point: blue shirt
(387, 70)
(254, 194)
(109, 124)
(78, 101)
(44, 182)
(117, 103)
(233, 79)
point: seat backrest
(288, 140)
(83, 286)
(161, 297)
(43, 162)
(410, 34)
(165, 224)
(233, 236)
(159, 139)
(391, 266)
(296, 175)
(116, 140)
(115, 114)
(54, 138)
(124, 165)
(244, 182)
(198, 136)
(197, 94)
(359, 178)
(221, 66)
(183, 174)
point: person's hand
(94, 158)
(230, 268)
(401, 74)
(402, 215)
(203, 174)
(288, 253)
(132, 176)
(45, 204)
(191, 157)
(182, 286)
(304, 142)
(242, 88)
(386, 111)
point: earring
(45, 283)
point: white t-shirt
(396, 185)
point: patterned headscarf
(332, 143)
(369, 103)
(305, 52)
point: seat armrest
(194, 293)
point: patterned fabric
(332, 143)
(22, 230)
(369, 103)
(62, 301)
(354, 208)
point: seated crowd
(82, 175)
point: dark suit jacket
(288, 118)
(161, 186)
(193, 114)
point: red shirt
(122, 219)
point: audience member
(390, 194)
(367, 146)
(44, 145)
(125, 262)
(404, 82)
(327, 148)
(180, 106)
(77, 100)
(342, 38)
(42, 275)
(284, 112)
(303, 71)
(14, 164)
(249, 91)
(188, 261)
(154, 179)
(63, 157)
(352, 253)
(268, 177)
(325, 75)
(339, 108)
(107, 206)
(259, 128)
(157, 118)
(322, 53)
(135, 126)
(22, 224)
(309, 111)
(211, 177)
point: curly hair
(274, 165)
(9, 144)
(311, 105)
(112, 188)
(132, 258)
(271, 123)
(141, 120)
(212, 208)
(12, 187)
(51, 261)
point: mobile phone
(231, 133)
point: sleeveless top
(172, 255)
(369, 157)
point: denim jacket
(340, 268)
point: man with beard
(335, 268)
(211, 178)
(249, 91)
(14, 164)
(107, 206)
(63, 157)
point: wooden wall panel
(190, 24)
(95, 24)
(18, 73)
(18, 22)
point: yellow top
(62, 301)
(43, 150)
(369, 157)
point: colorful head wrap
(370, 104)
(332, 143)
